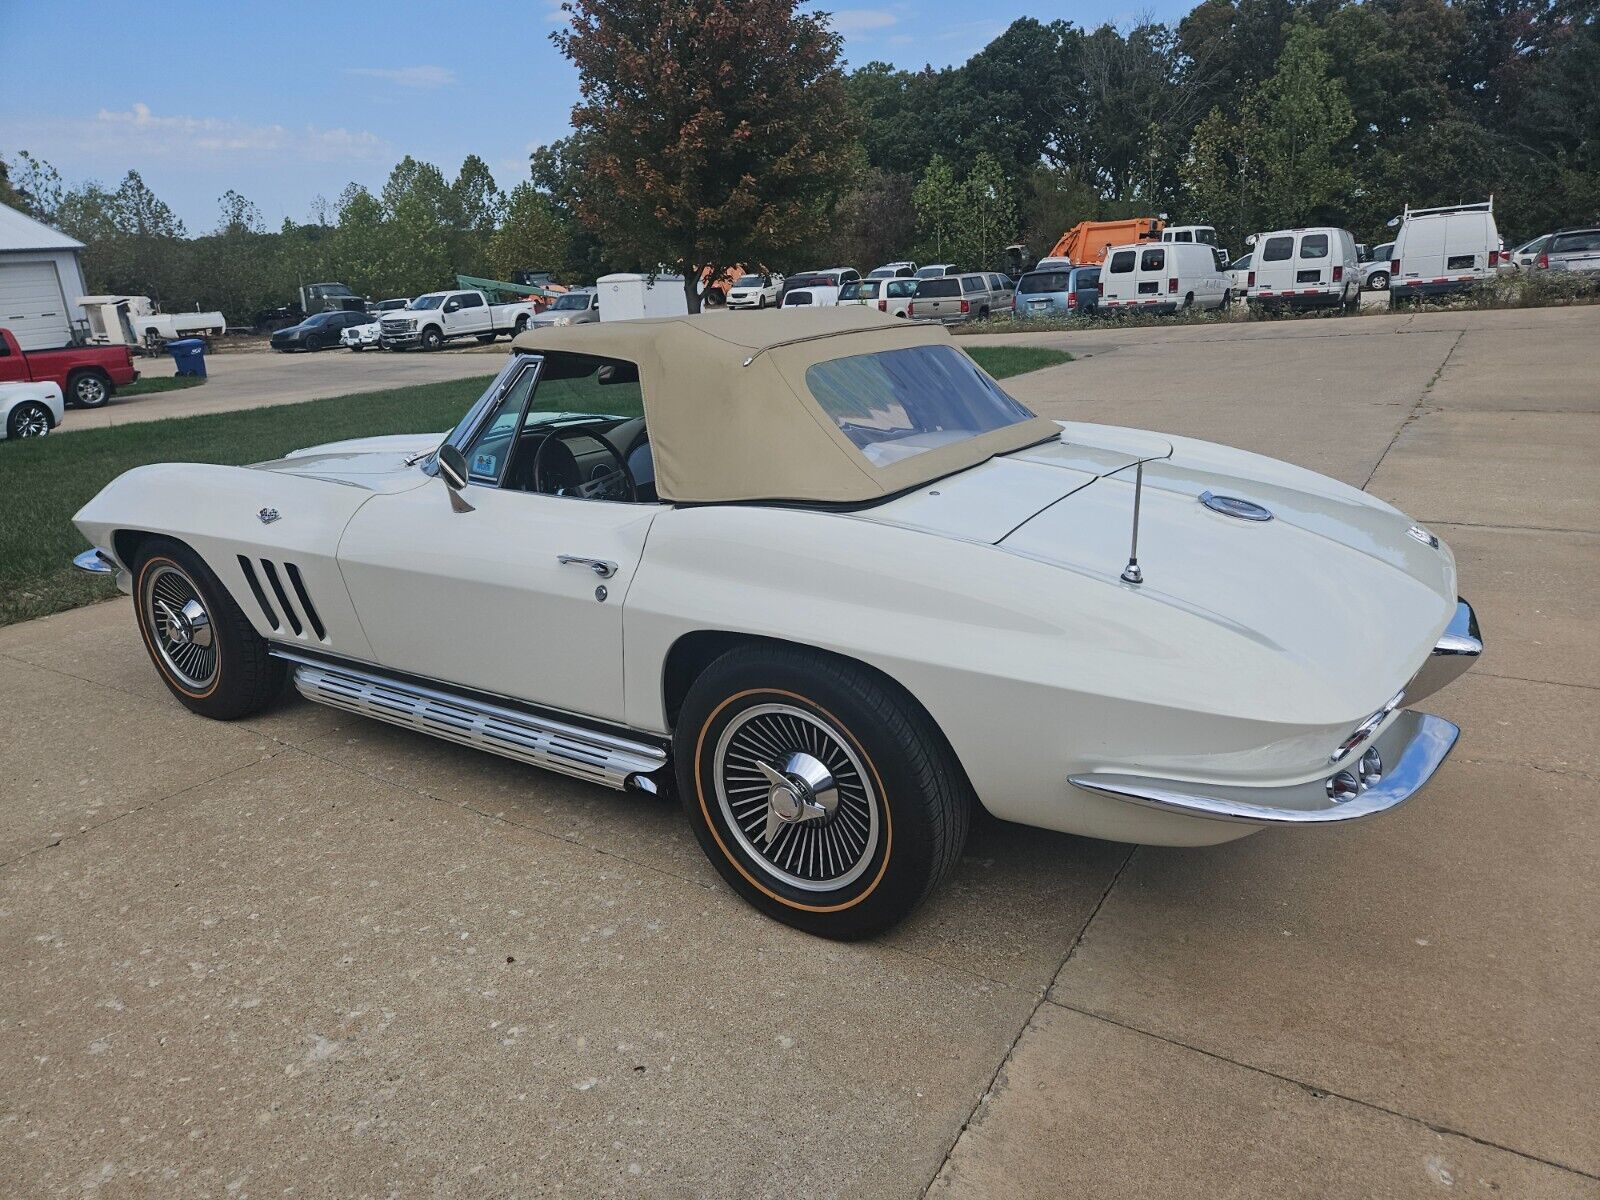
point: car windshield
(1240, 264)
(572, 301)
(930, 272)
(321, 318)
(1043, 281)
(902, 287)
(1208, 236)
(895, 404)
(427, 302)
(751, 281)
(881, 273)
(947, 286)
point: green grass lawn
(164, 383)
(44, 481)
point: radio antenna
(1131, 572)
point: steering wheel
(615, 484)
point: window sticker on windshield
(485, 464)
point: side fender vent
(306, 606)
(267, 611)
(268, 566)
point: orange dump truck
(1086, 241)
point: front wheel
(1379, 281)
(201, 643)
(27, 420)
(820, 791)
(761, 302)
(432, 339)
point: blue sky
(290, 101)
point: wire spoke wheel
(796, 797)
(180, 625)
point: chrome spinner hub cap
(796, 797)
(181, 626)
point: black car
(320, 331)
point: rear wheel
(486, 338)
(88, 389)
(823, 794)
(203, 647)
(29, 419)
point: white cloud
(853, 22)
(554, 13)
(408, 77)
(139, 133)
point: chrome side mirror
(453, 470)
(1251, 240)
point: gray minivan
(1575, 250)
(1058, 292)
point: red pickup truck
(87, 375)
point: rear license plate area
(1153, 288)
(1461, 262)
(1308, 277)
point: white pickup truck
(436, 318)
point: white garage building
(41, 281)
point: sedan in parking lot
(1375, 268)
(1574, 250)
(362, 337)
(318, 331)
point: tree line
(708, 135)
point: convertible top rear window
(898, 403)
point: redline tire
(241, 679)
(903, 802)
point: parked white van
(1162, 278)
(1304, 268)
(1197, 233)
(1444, 250)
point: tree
(1297, 124)
(1213, 176)
(873, 222)
(937, 201)
(239, 216)
(986, 216)
(711, 128)
(530, 237)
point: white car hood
(376, 463)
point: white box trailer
(627, 297)
(130, 320)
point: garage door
(32, 306)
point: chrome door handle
(599, 566)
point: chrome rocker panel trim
(1415, 743)
(590, 754)
(1458, 647)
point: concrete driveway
(261, 378)
(314, 955)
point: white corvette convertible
(823, 575)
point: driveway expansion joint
(1322, 1093)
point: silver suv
(969, 296)
(580, 306)
(1574, 250)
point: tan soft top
(729, 414)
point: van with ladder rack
(1444, 250)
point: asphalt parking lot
(315, 955)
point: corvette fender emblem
(268, 515)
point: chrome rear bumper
(1412, 747)
(1458, 647)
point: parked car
(88, 376)
(966, 629)
(1375, 268)
(580, 306)
(1203, 234)
(1059, 292)
(890, 295)
(952, 299)
(935, 271)
(396, 304)
(818, 289)
(319, 331)
(439, 317)
(1527, 254)
(1305, 268)
(1002, 293)
(756, 291)
(1239, 275)
(1573, 250)
(1163, 277)
(894, 270)
(29, 410)
(367, 336)
(1439, 251)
